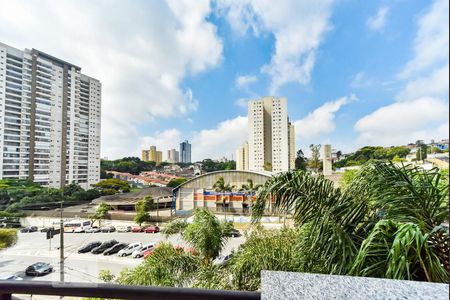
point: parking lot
(34, 247)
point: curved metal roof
(234, 176)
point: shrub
(8, 237)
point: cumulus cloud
(431, 44)
(378, 21)
(321, 120)
(421, 110)
(139, 51)
(298, 27)
(223, 140)
(403, 122)
(243, 81)
(435, 85)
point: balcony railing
(111, 291)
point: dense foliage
(367, 153)
(131, 165)
(176, 182)
(21, 194)
(8, 237)
(386, 223)
(210, 166)
(112, 186)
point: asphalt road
(34, 247)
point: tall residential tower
(271, 137)
(185, 152)
(49, 120)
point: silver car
(140, 252)
(130, 249)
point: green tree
(206, 233)
(250, 188)
(421, 153)
(142, 208)
(221, 187)
(112, 184)
(386, 223)
(176, 182)
(101, 212)
(314, 162)
(300, 161)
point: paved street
(34, 247)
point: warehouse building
(199, 192)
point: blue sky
(355, 72)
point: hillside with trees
(367, 153)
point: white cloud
(243, 81)
(433, 85)
(242, 102)
(319, 121)
(431, 45)
(298, 27)
(163, 140)
(378, 21)
(140, 51)
(403, 122)
(220, 141)
(422, 108)
(361, 81)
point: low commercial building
(199, 192)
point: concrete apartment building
(49, 120)
(242, 157)
(185, 152)
(271, 137)
(173, 156)
(152, 155)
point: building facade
(185, 152)
(242, 157)
(152, 155)
(49, 120)
(327, 160)
(173, 156)
(271, 137)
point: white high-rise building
(49, 120)
(271, 137)
(327, 161)
(242, 158)
(173, 156)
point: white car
(140, 252)
(92, 229)
(78, 230)
(222, 260)
(130, 249)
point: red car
(152, 229)
(137, 229)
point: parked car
(108, 229)
(45, 229)
(104, 246)
(137, 229)
(39, 269)
(29, 229)
(130, 249)
(151, 229)
(44, 208)
(124, 229)
(93, 229)
(140, 252)
(116, 248)
(235, 233)
(89, 247)
(222, 260)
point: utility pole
(61, 245)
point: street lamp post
(61, 244)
